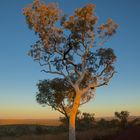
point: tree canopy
(70, 47)
(67, 46)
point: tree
(123, 117)
(70, 47)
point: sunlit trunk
(73, 116)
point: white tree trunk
(72, 118)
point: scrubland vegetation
(88, 128)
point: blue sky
(19, 74)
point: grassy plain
(51, 130)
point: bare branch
(44, 64)
(60, 111)
(83, 64)
(101, 73)
(107, 81)
(53, 72)
(80, 78)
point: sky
(19, 74)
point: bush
(83, 121)
(122, 117)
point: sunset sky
(19, 74)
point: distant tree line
(87, 121)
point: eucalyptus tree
(70, 47)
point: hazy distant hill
(48, 122)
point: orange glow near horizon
(48, 113)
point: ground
(41, 132)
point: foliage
(103, 123)
(73, 53)
(83, 121)
(123, 117)
(55, 93)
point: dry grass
(97, 132)
(40, 137)
(84, 135)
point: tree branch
(107, 81)
(53, 72)
(102, 71)
(44, 64)
(85, 90)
